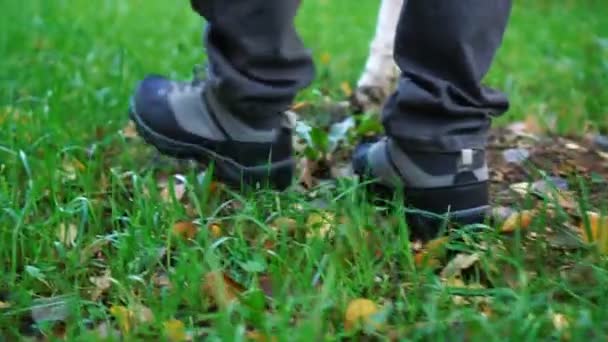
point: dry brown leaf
(67, 234)
(185, 230)
(222, 289)
(522, 219)
(102, 284)
(129, 131)
(360, 311)
(431, 253)
(307, 169)
(142, 314)
(460, 263)
(598, 226)
(161, 280)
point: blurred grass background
(74, 63)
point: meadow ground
(100, 237)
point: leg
(436, 121)
(257, 60)
(444, 49)
(380, 72)
(235, 118)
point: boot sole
(277, 175)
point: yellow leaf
(598, 226)
(346, 89)
(175, 330)
(517, 220)
(259, 337)
(320, 224)
(222, 289)
(432, 252)
(325, 58)
(67, 234)
(128, 318)
(215, 230)
(185, 230)
(359, 311)
(123, 317)
(299, 105)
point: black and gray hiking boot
(184, 120)
(440, 187)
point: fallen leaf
(102, 284)
(161, 280)
(516, 155)
(71, 166)
(129, 131)
(128, 318)
(257, 336)
(325, 58)
(522, 219)
(307, 169)
(431, 253)
(523, 188)
(222, 289)
(284, 224)
(299, 105)
(67, 234)
(319, 224)
(598, 231)
(179, 190)
(142, 314)
(175, 330)
(123, 317)
(4, 305)
(215, 230)
(54, 309)
(185, 230)
(560, 322)
(360, 311)
(346, 89)
(458, 264)
(105, 332)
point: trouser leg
(444, 48)
(257, 61)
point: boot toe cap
(151, 105)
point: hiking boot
(185, 120)
(440, 187)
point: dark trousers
(444, 48)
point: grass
(67, 70)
